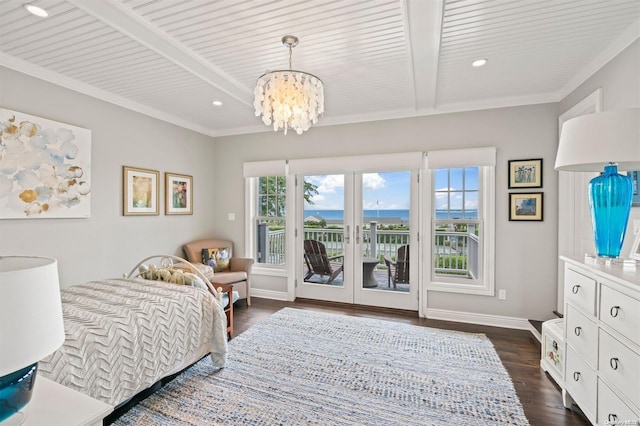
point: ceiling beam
(423, 21)
(121, 18)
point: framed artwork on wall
(140, 191)
(525, 173)
(179, 194)
(525, 206)
(635, 177)
(46, 168)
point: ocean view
(401, 214)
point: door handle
(357, 234)
(347, 238)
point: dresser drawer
(583, 334)
(612, 410)
(581, 382)
(619, 365)
(621, 313)
(580, 290)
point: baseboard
(480, 319)
(269, 294)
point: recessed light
(217, 103)
(479, 62)
(35, 10)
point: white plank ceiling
(378, 59)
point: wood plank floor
(518, 350)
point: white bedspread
(122, 336)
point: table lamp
(31, 328)
(608, 140)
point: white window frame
(485, 160)
(252, 171)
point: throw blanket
(122, 336)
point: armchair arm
(240, 264)
(336, 257)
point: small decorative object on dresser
(602, 347)
(635, 248)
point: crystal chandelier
(289, 98)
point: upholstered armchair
(238, 271)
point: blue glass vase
(610, 200)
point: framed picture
(179, 194)
(45, 170)
(635, 177)
(635, 248)
(140, 191)
(525, 173)
(525, 206)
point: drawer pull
(613, 362)
(576, 375)
(555, 345)
(612, 418)
(575, 289)
(577, 331)
(614, 311)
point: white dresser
(602, 340)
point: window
(266, 207)
(462, 219)
(270, 221)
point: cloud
(373, 181)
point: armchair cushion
(238, 272)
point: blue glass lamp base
(610, 197)
(15, 392)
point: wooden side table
(228, 310)
(55, 405)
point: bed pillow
(218, 258)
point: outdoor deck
(380, 276)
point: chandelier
(289, 98)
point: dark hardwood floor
(518, 350)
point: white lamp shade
(31, 325)
(589, 142)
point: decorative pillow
(218, 258)
(206, 270)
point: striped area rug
(300, 367)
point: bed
(123, 335)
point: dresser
(602, 340)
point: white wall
(526, 252)
(620, 83)
(109, 244)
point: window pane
(441, 179)
(471, 178)
(455, 179)
(270, 225)
(471, 205)
(455, 249)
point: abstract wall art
(45, 168)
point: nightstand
(55, 405)
(228, 310)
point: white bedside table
(55, 405)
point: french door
(356, 238)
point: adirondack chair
(398, 271)
(318, 263)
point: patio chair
(318, 263)
(398, 271)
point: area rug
(301, 367)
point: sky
(389, 191)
